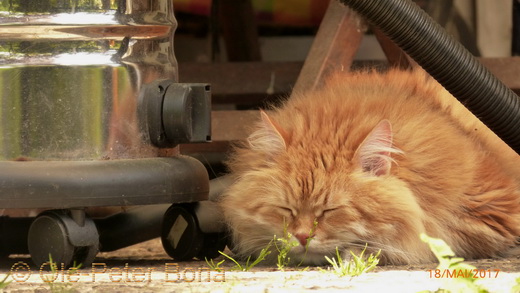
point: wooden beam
(255, 83)
(506, 69)
(235, 125)
(395, 56)
(239, 30)
(243, 83)
(226, 127)
(334, 46)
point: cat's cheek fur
(253, 222)
(250, 234)
(399, 220)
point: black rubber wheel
(181, 236)
(213, 243)
(48, 237)
(85, 255)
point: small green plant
(250, 264)
(214, 266)
(516, 287)
(283, 246)
(450, 264)
(355, 266)
(4, 282)
(311, 233)
(63, 287)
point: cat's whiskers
(253, 244)
(388, 252)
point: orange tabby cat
(374, 158)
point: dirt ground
(147, 268)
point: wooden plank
(254, 83)
(237, 19)
(226, 127)
(235, 125)
(334, 46)
(232, 125)
(395, 56)
(506, 69)
(210, 147)
(244, 83)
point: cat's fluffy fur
(375, 158)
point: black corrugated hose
(448, 62)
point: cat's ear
(374, 154)
(271, 137)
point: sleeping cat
(374, 158)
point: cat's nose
(302, 238)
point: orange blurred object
(269, 12)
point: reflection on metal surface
(71, 74)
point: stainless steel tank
(91, 115)
(72, 73)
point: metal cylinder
(71, 74)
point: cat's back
(349, 106)
(364, 98)
(426, 119)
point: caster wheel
(54, 234)
(48, 238)
(181, 236)
(213, 243)
(85, 255)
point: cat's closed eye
(326, 212)
(286, 212)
